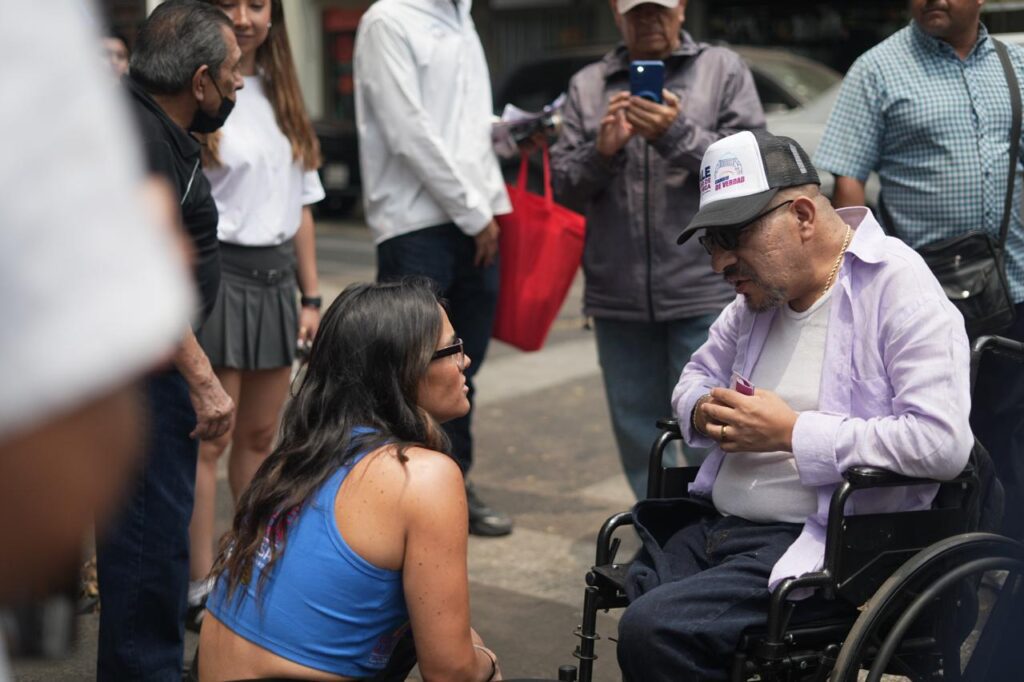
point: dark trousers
(693, 594)
(997, 418)
(445, 254)
(143, 556)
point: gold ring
(723, 431)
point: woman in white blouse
(262, 168)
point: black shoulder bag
(970, 266)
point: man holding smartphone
(631, 165)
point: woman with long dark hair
(262, 171)
(353, 532)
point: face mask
(204, 123)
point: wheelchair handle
(605, 550)
(670, 431)
(994, 344)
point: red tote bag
(541, 245)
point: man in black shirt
(183, 78)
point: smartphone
(741, 384)
(647, 79)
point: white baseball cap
(625, 5)
(741, 173)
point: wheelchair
(914, 580)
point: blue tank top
(323, 605)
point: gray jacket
(637, 203)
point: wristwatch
(311, 302)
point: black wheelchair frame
(893, 566)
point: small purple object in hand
(741, 384)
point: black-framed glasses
(728, 239)
(454, 349)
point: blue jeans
(143, 556)
(444, 253)
(693, 592)
(641, 363)
(997, 418)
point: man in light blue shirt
(857, 358)
(928, 110)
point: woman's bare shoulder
(418, 467)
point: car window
(804, 81)
(533, 85)
(773, 98)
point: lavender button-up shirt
(895, 386)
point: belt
(268, 277)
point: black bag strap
(1014, 86)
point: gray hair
(175, 40)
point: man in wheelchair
(856, 358)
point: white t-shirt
(765, 487)
(259, 187)
(93, 293)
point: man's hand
(487, 244)
(649, 119)
(762, 422)
(215, 410)
(534, 142)
(615, 130)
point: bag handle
(524, 166)
(1014, 86)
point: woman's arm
(434, 572)
(309, 284)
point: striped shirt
(936, 129)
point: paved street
(544, 453)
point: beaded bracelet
(693, 414)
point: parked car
(339, 172)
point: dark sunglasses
(454, 349)
(728, 239)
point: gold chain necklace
(839, 260)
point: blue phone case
(647, 79)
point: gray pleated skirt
(255, 320)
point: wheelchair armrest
(860, 477)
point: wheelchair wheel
(924, 619)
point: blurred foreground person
(262, 171)
(184, 73)
(350, 544)
(95, 295)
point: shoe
(483, 520)
(194, 616)
(198, 591)
(88, 589)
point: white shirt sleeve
(93, 294)
(312, 188)
(386, 74)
